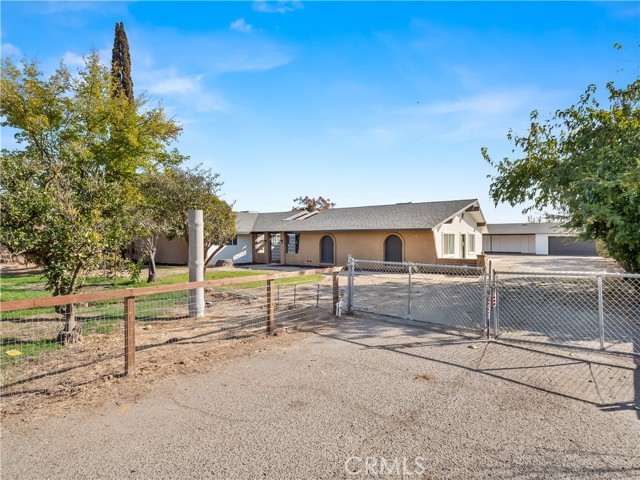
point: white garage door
(509, 243)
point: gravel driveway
(361, 398)
(552, 263)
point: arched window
(326, 250)
(393, 249)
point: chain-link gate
(451, 296)
(596, 311)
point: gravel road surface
(365, 398)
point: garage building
(544, 238)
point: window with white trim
(448, 243)
(472, 242)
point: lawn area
(20, 287)
(28, 334)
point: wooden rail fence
(129, 296)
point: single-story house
(411, 232)
(543, 238)
(240, 249)
(429, 232)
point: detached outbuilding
(544, 238)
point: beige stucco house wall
(417, 246)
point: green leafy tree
(196, 188)
(70, 190)
(121, 64)
(312, 204)
(154, 217)
(584, 164)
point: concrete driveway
(361, 399)
(551, 263)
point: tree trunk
(149, 249)
(210, 257)
(72, 332)
(152, 267)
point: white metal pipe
(196, 262)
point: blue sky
(362, 102)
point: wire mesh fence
(162, 324)
(594, 311)
(31, 348)
(451, 296)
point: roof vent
(307, 215)
(297, 215)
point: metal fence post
(271, 310)
(600, 312)
(496, 306)
(196, 262)
(317, 295)
(351, 273)
(409, 301)
(336, 294)
(486, 295)
(129, 335)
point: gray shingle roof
(245, 221)
(401, 216)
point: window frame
(471, 243)
(293, 240)
(446, 243)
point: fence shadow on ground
(607, 382)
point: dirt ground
(94, 385)
(551, 263)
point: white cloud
(248, 61)
(9, 50)
(240, 25)
(276, 7)
(71, 59)
(176, 85)
(227, 52)
(485, 104)
(208, 101)
(475, 118)
(185, 90)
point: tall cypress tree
(121, 64)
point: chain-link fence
(451, 296)
(33, 355)
(584, 310)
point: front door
(326, 250)
(393, 249)
(274, 240)
(463, 246)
